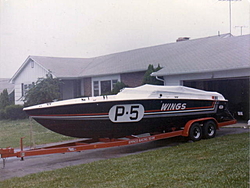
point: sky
(91, 28)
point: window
(113, 83)
(77, 88)
(103, 86)
(32, 64)
(106, 87)
(96, 88)
(26, 87)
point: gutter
(157, 78)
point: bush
(2, 114)
(148, 79)
(15, 112)
(4, 99)
(117, 88)
(45, 90)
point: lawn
(12, 131)
(218, 162)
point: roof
(63, 67)
(5, 84)
(198, 55)
(213, 54)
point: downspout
(157, 78)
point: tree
(45, 90)
(147, 79)
(117, 88)
(4, 99)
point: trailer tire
(209, 129)
(195, 132)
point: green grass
(221, 162)
(12, 131)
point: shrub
(4, 99)
(15, 112)
(148, 79)
(45, 90)
(2, 114)
(117, 87)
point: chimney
(182, 39)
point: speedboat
(143, 109)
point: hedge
(14, 112)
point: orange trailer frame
(102, 142)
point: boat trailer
(87, 144)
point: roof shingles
(193, 56)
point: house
(220, 63)
(214, 58)
(80, 76)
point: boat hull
(115, 119)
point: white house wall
(29, 74)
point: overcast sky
(90, 28)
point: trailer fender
(190, 123)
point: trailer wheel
(209, 129)
(195, 132)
